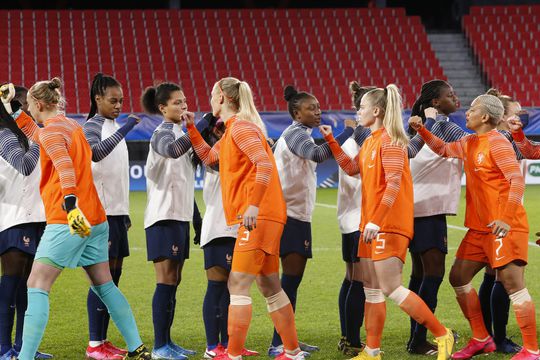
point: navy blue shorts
(296, 238)
(430, 232)
(349, 246)
(219, 252)
(168, 239)
(23, 237)
(118, 237)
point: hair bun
(289, 93)
(494, 92)
(354, 86)
(55, 83)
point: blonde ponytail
(393, 118)
(389, 101)
(247, 107)
(239, 96)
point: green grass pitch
(317, 310)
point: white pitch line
(329, 206)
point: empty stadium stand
(506, 42)
(318, 50)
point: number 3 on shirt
(244, 239)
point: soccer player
(217, 241)
(110, 170)
(437, 187)
(21, 224)
(170, 187)
(387, 217)
(493, 298)
(297, 157)
(351, 295)
(70, 239)
(497, 222)
(252, 197)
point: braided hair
(99, 86)
(295, 98)
(431, 90)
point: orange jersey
(495, 184)
(66, 159)
(387, 191)
(247, 170)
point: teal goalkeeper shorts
(66, 250)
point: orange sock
(416, 308)
(470, 305)
(238, 325)
(526, 318)
(283, 319)
(374, 323)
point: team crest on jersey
(480, 158)
(228, 258)
(174, 250)
(26, 241)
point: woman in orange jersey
(493, 297)
(497, 222)
(387, 217)
(252, 197)
(71, 239)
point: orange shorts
(487, 248)
(255, 262)
(257, 251)
(384, 246)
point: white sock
(372, 352)
(521, 296)
(95, 343)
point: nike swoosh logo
(370, 166)
(475, 169)
(379, 252)
(499, 258)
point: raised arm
(164, 143)
(452, 150)
(350, 166)
(360, 135)
(27, 125)
(525, 146)
(416, 143)
(101, 148)
(301, 144)
(208, 155)
(10, 150)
